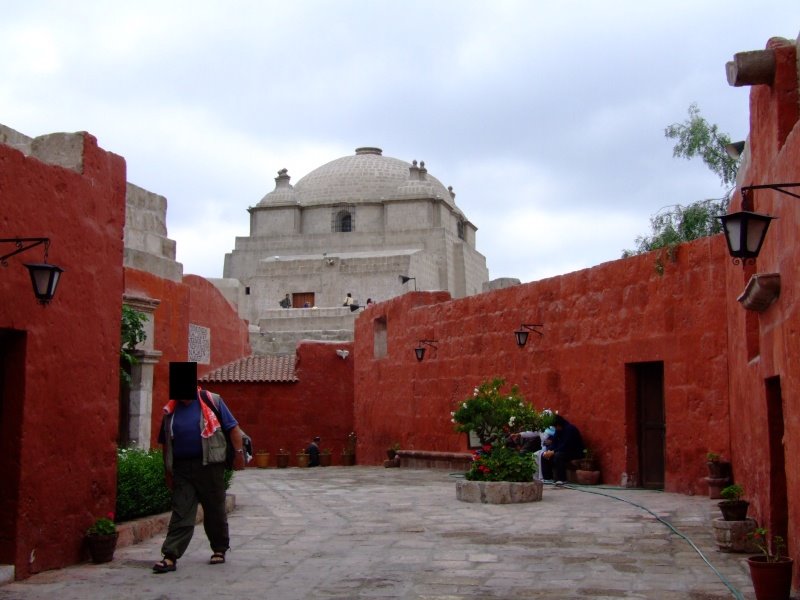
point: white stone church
(354, 225)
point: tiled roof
(273, 368)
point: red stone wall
(289, 415)
(60, 366)
(596, 322)
(194, 301)
(765, 346)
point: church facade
(352, 226)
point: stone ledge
(139, 530)
(428, 459)
(499, 492)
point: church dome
(368, 176)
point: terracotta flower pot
(325, 460)
(282, 460)
(771, 580)
(348, 460)
(262, 460)
(718, 469)
(302, 460)
(734, 510)
(102, 547)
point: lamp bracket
(23, 244)
(532, 327)
(430, 343)
(778, 187)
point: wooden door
(303, 300)
(652, 427)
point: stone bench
(428, 459)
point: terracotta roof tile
(273, 368)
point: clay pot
(262, 460)
(325, 460)
(734, 510)
(587, 477)
(771, 580)
(302, 460)
(102, 547)
(282, 460)
(348, 460)
(718, 469)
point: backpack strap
(209, 400)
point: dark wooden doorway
(651, 423)
(302, 299)
(778, 494)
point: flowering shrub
(501, 464)
(103, 526)
(761, 539)
(493, 414)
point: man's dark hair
(559, 421)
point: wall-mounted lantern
(522, 333)
(745, 230)
(44, 276)
(404, 279)
(419, 351)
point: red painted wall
(596, 322)
(289, 415)
(60, 366)
(764, 462)
(194, 301)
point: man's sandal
(165, 565)
(217, 558)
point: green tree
(675, 224)
(133, 333)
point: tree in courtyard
(132, 331)
(675, 224)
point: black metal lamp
(405, 279)
(44, 276)
(745, 232)
(419, 351)
(522, 333)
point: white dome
(366, 176)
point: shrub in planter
(733, 507)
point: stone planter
(499, 492)
(731, 536)
(715, 487)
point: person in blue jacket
(567, 445)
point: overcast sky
(547, 118)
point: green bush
(141, 490)
(501, 464)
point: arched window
(343, 221)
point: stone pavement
(369, 532)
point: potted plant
(262, 459)
(717, 469)
(349, 450)
(733, 507)
(770, 571)
(498, 473)
(325, 457)
(101, 539)
(282, 458)
(733, 529)
(391, 451)
(302, 459)
(587, 471)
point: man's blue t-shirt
(186, 441)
